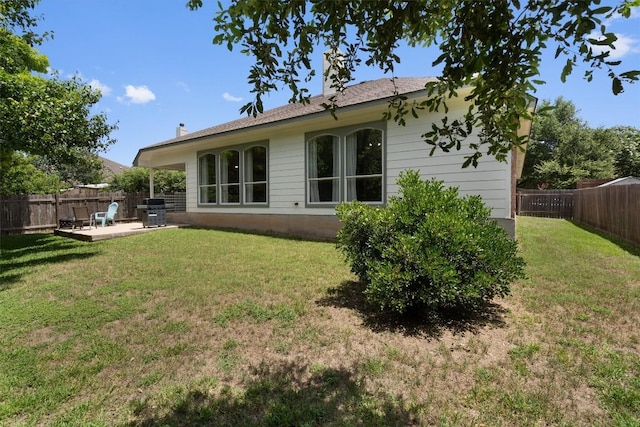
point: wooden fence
(546, 203)
(614, 209)
(33, 213)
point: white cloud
(623, 46)
(137, 95)
(228, 97)
(103, 88)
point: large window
(363, 164)
(234, 176)
(230, 176)
(346, 164)
(255, 174)
(207, 179)
(324, 169)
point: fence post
(57, 209)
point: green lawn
(205, 327)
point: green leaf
(630, 75)
(616, 86)
(566, 70)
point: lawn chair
(81, 215)
(105, 217)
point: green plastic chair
(109, 215)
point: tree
(19, 175)
(627, 161)
(42, 115)
(86, 169)
(136, 179)
(495, 46)
(564, 149)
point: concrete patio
(93, 234)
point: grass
(204, 327)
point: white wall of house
(405, 149)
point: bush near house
(429, 249)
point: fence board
(176, 202)
(545, 203)
(614, 209)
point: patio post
(151, 193)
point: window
(324, 170)
(346, 164)
(255, 175)
(234, 176)
(207, 179)
(364, 165)
(230, 177)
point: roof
(627, 180)
(357, 94)
(112, 168)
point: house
(111, 168)
(285, 170)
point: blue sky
(157, 67)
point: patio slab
(93, 234)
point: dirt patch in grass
(44, 337)
(433, 365)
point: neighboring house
(112, 168)
(285, 170)
(109, 170)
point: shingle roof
(360, 93)
(113, 168)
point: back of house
(285, 170)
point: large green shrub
(428, 249)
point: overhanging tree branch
(495, 47)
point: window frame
(215, 178)
(334, 177)
(241, 148)
(356, 176)
(341, 134)
(246, 183)
(222, 186)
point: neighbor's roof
(627, 180)
(113, 168)
(361, 93)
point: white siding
(192, 182)
(286, 172)
(407, 150)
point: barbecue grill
(153, 212)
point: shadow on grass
(625, 246)
(350, 294)
(277, 395)
(20, 252)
